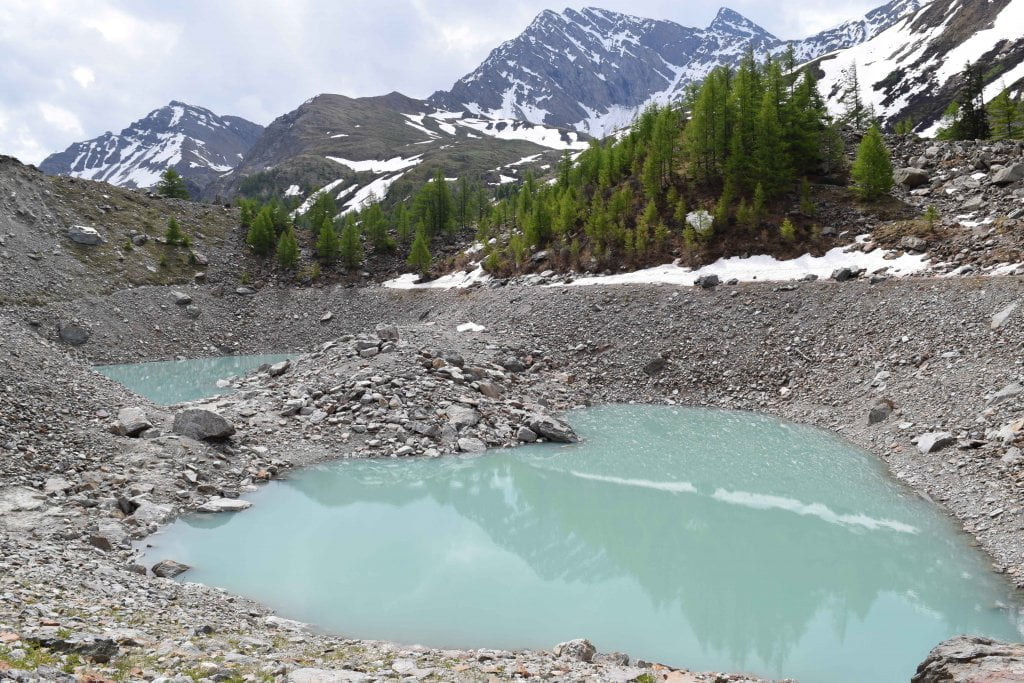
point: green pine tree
(419, 253)
(787, 231)
(172, 185)
(287, 250)
(174, 235)
(872, 170)
(262, 236)
(351, 248)
(327, 243)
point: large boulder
(966, 659)
(911, 177)
(168, 569)
(461, 417)
(133, 421)
(580, 650)
(74, 334)
(83, 234)
(202, 425)
(551, 429)
(934, 441)
(1009, 174)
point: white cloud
(61, 119)
(83, 75)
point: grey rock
(181, 298)
(133, 420)
(972, 659)
(20, 499)
(578, 650)
(461, 417)
(387, 332)
(934, 441)
(326, 317)
(526, 435)
(278, 369)
(84, 234)
(655, 365)
(843, 274)
(168, 569)
(140, 240)
(552, 429)
(74, 334)
(880, 412)
(513, 364)
(55, 485)
(911, 177)
(1000, 318)
(193, 311)
(974, 203)
(95, 648)
(1009, 174)
(471, 445)
(148, 513)
(915, 244)
(708, 281)
(202, 425)
(215, 505)
(489, 389)
(1012, 390)
(109, 534)
(245, 291)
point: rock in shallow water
(168, 569)
(224, 505)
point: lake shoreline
(823, 354)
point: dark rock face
(593, 69)
(197, 143)
(966, 659)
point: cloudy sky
(73, 69)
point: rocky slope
(45, 254)
(364, 148)
(593, 69)
(913, 68)
(194, 141)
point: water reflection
(169, 382)
(713, 540)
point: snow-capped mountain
(197, 143)
(913, 69)
(360, 148)
(593, 70)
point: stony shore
(921, 356)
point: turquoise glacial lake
(705, 539)
(170, 382)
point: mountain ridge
(193, 140)
(632, 62)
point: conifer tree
(327, 243)
(419, 252)
(351, 248)
(758, 205)
(1005, 116)
(287, 250)
(261, 236)
(324, 208)
(403, 224)
(855, 112)
(174, 235)
(787, 231)
(172, 185)
(872, 170)
(375, 227)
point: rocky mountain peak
(731, 22)
(193, 140)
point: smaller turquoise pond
(169, 382)
(705, 539)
